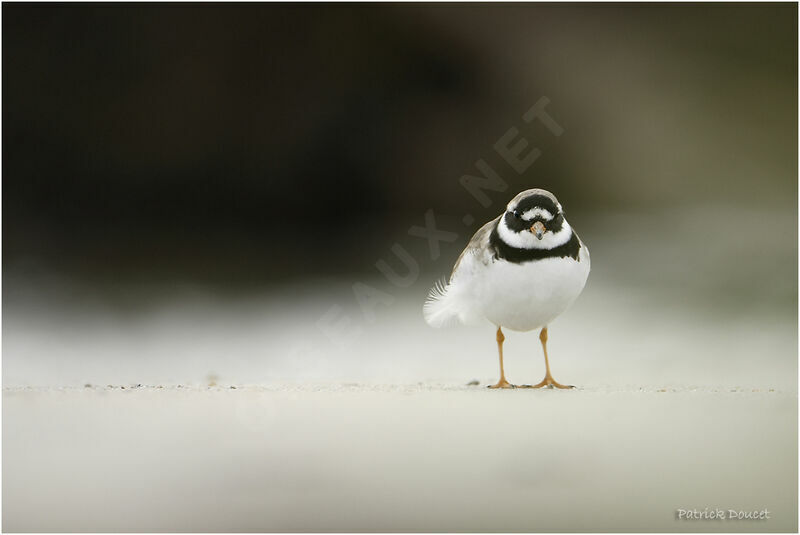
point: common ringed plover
(519, 271)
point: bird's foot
(502, 383)
(547, 382)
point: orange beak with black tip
(539, 229)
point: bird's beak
(538, 228)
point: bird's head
(534, 219)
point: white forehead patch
(533, 212)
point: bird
(520, 271)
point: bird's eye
(516, 213)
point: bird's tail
(438, 309)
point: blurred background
(196, 201)
(188, 191)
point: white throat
(527, 240)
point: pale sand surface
(395, 458)
(684, 348)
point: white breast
(529, 296)
(520, 297)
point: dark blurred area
(261, 142)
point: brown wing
(479, 244)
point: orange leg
(548, 380)
(502, 383)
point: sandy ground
(684, 349)
(380, 458)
